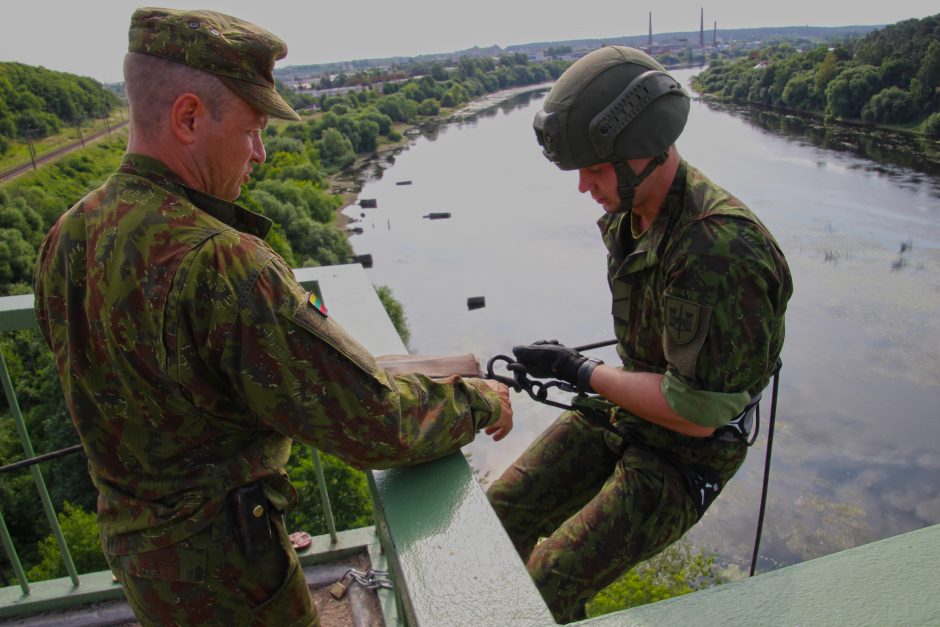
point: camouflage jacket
(700, 297)
(190, 358)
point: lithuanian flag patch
(316, 299)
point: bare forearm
(639, 393)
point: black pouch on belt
(249, 508)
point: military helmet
(612, 104)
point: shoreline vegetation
(889, 79)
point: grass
(18, 153)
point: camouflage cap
(241, 54)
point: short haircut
(153, 84)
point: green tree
(438, 72)
(889, 105)
(346, 486)
(826, 71)
(324, 245)
(395, 311)
(429, 106)
(800, 93)
(932, 125)
(336, 151)
(851, 90)
(678, 570)
(81, 535)
(929, 72)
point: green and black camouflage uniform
(190, 358)
(699, 297)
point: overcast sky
(89, 38)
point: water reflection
(856, 455)
(884, 152)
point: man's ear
(186, 117)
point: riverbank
(348, 183)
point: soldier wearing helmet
(699, 291)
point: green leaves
(678, 570)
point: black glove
(545, 359)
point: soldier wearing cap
(190, 357)
(699, 290)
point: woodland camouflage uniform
(190, 358)
(699, 297)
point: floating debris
(368, 203)
(436, 216)
(476, 302)
(364, 260)
(402, 182)
(355, 229)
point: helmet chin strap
(627, 181)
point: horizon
(79, 43)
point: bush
(932, 125)
(81, 536)
(678, 570)
(429, 106)
(395, 312)
(336, 151)
(348, 492)
(889, 105)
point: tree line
(36, 102)
(890, 76)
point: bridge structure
(450, 562)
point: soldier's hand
(499, 429)
(548, 358)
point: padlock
(338, 590)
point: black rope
(770, 445)
(25, 463)
(587, 347)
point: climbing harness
(703, 484)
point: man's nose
(258, 155)
(585, 183)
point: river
(856, 455)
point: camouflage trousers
(206, 580)
(602, 502)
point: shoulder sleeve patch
(686, 328)
(682, 319)
(310, 317)
(316, 299)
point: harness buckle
(739, 428)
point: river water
(856, 455)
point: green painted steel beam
(452, 560)
(892, 582)
(16, 313)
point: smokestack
(701, 28)
(715, 35)
(649, 41)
